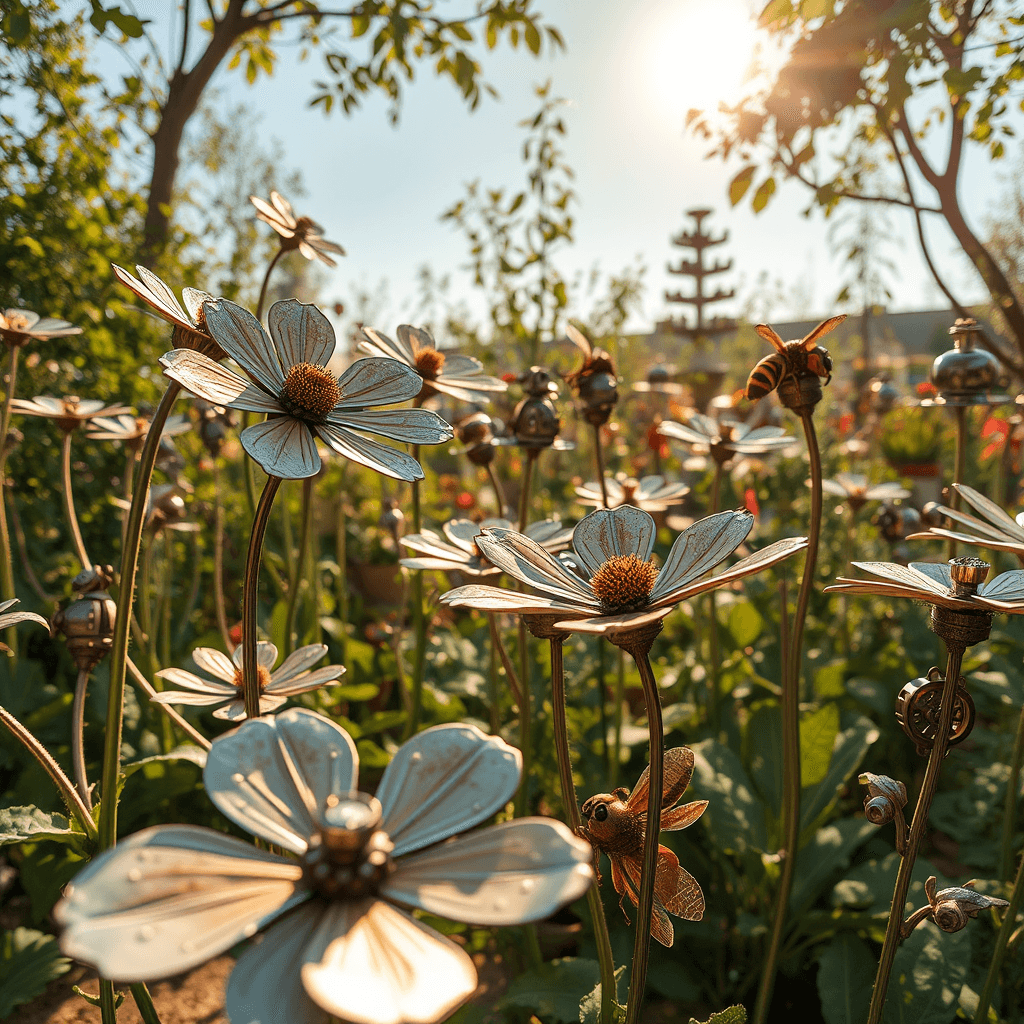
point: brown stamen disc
(624, 583)
(310, 391)
(429, 363)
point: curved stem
(250, 597)
(1010, 802)
(506, 661)
(266, 281)
(300, 562)
(144, 684)
(218, 561)
(1002, 943)
(341, 557)
(67, 791)
(572, 812)
(6, 566)
(167, 599)
(524, 495)
(78, 737)
(144, 1002)
(122, 622)
(645, 908)
(713, 645)
(791, 728)
(894, 927)
(69, 502)
(499, 492)
(419, 621)
(959, 465)
(26, 564)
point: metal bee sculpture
(615, 824)
(802, 358)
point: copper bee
(791, 359)
(615, 824)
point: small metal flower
(724, 441)
(165, 509)
(302, 398)
(617, 589)
(884, 803)
(20, 326)
(854, 487)
(446, 373)
(171, 897)
(594, 382)
(9, 618)
(951, 908)
(292, 676)
(535, 421)
(650, 493)
(131, 430)
(462, 553)
(300, 233)
(189, 322)
(996, 530)
(68, 413)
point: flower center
(17, 321)
(262, 677)
(624, 584)
(310, 392)
(350, 857)
(429, 363)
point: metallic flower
(9, 618)
(951, 908)
(19, 326)
(999, 532)
(300, 233)
(189, 322)
(292, 676)
(171, 897)
(165, 509)
(651, 493)
(68, 413)
(301, 397)
(446, 373)
(854, 487)
(462, 553)
(933, 582)
(132, 430)
(616, 588)
(723, 441)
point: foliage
(29, 960)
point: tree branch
(916, 154)
(186, 9)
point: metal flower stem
(167, 598)
(78, 737)
(250, 597)
(341, 557)
(69, 502)
(1010, 801)
(959, 465)
(492, 680)
(639, 647)
(149, 630)
(1002, 944)
(218, 560)
(601, 666)
(499, 492)
(419, 620)
(713, 645)
(506, 661)
(122, 624)
(6, 566)
(147, 687)
(791, 727)
(300, 562)
(266, 281)
(76, 807)
(599, 456)
(525, 704)
(893, 930)
(572, 811)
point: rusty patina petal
(701, 547)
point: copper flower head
(20, 326)
(300, 233)
(996, 530)
(68, 413)
(724, 441)
(189, 322)
(301, 397)
(651, 493)
(173, 896)
(854, 487)
(291, 677)
(617, 588)
(9, 618)
(461, 552)
(445, 373)
(131, 430)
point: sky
(629, 71)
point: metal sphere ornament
(535, 422)
(918, 709)
(966, 374)
(87, 622)
(477, 432)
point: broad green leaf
(740, 183)
(27, 824)
(745, 623)
(590, 1004)
(826, 854)
(828, 680)
(735, 817)
(762, 753)
(850, 747)
(929, 971)
(846, 972)
(554, 990)
(29, 961)
(818, 731)
(730, 1015)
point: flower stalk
(6, 565)
(959, 466)
(1010, 802)
(78, 737)
(218, 559)
(69, 502)
(419, 619)
(300, 564)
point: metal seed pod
(884, 803)
(949, 916)
(87, 623)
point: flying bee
(791, 359)
(616, 824)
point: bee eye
(601, 812)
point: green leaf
(740, 183)
(846, 972)
(27, 824)
(735, 817)
(730, 1015)
(764, 192)
(850, 747)
(590, 1004)
(745, 624)
(29, 961)
(776, 10)
(826, 854)
(927, 976)
(762, 752)
(554, 990)
(818, 731)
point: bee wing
(680, 817)
(687, 899)
(825, 327)
(579, 339)
(770, 336)
(677, 772)
(664, 885)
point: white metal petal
(429, 543)
(284, 208)
(550, 534)
(192, 699)
(242, 337)
(266, 655)
(215, 662)
(379, 457)
(414, 339)
(283, 447)
(610, 625)
(415, 426)
(299, 661)
(906, 577)
(215, 383)
(525, 559)
(165, 298)
(982, 540)
(833, 487)
(301, 334)
(937, 572)
(610, 533)
(886, 492)
(194, 299)
(377, 382)
(305, 681)
(273, 775)
(681, 432)
(377, 344)
(169, 898)
(882, 589)
(1008, 587)
(384, 967)
(463, 533)
(515, 872)
(991, 511)
(444, 781)
(235, 711)
(701, 547)
(492, 599)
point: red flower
(750, 501)
(926, 389)
(846, 421)
(999, 430)
(465, 500)
(508, 378)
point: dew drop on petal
(145, 933)
(238, 777)
(250, 929)
(417, 756)
(135, 875)
(527, 885)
